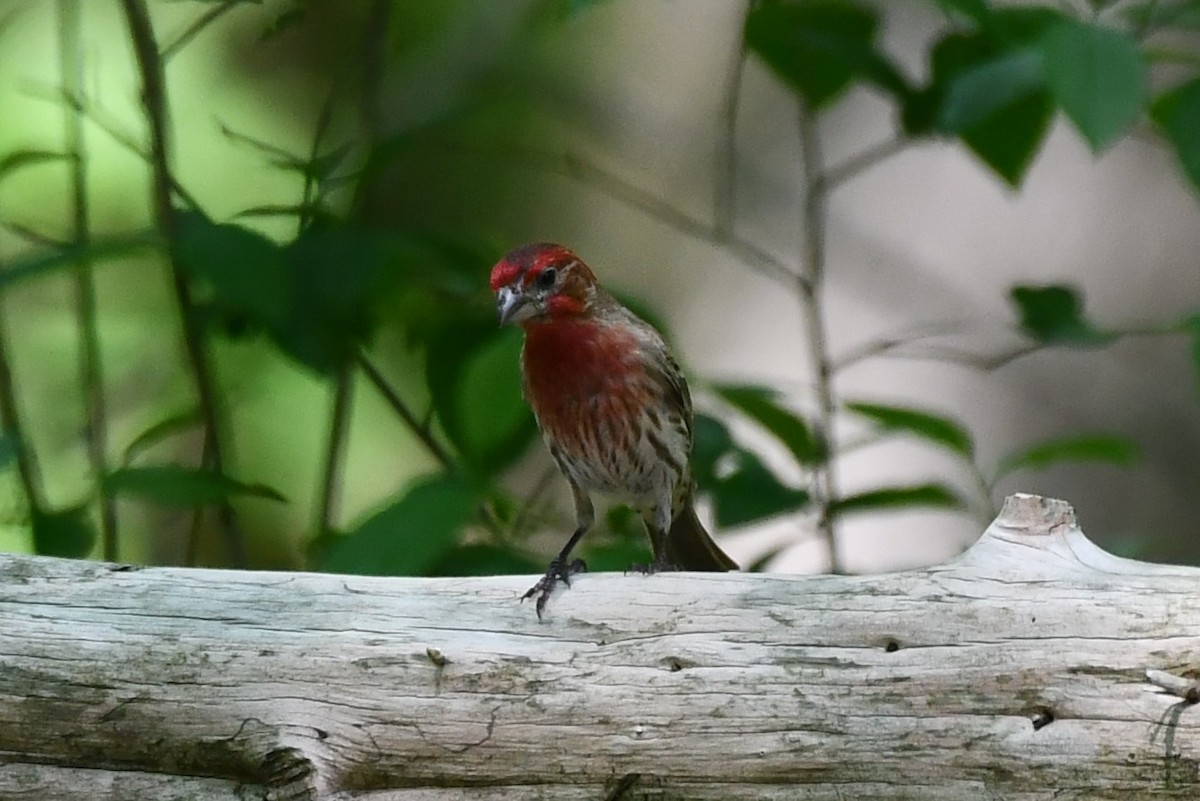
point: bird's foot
(558, 571)
(657, 566)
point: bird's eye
(547, 277)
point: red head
(542, 281)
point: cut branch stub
(1014, 671)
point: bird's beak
(512, 305)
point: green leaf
(937, 496)
(975, 10)
(40, 262)
(752, 492)
(977, 93)
(1152, 15)
(1008, 141)
(1194, 325)
(243, 271)
(618, 556)
(1098, 76)
(175, 424)
(1177, 112)
(763, 407)
(65, 532)
(933, 428)
(711, 441)
(625, 524)
(1085, 448)
(482, 559)
(819, 47)
(182, 486)
(474, 344)
(1054, 315)
(493, 421)
(409, 537)
(8, 450)
(339, 279)
(573, 7)
(987, 87)
(18, 159)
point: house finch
(611, 403)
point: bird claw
(657, 566)
(557, 572)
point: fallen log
(1034, 666)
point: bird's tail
(689, 547)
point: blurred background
(345, 174)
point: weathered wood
(1017, 671)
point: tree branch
(824, 482)
(90, 368)
(154, 99)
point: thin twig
(10, 419)
(423, 434)
(635, 197)
(983, 362)
(370, 110)
(90, 375)
(343, 388)
(725, 174)
(34, 237)
(837, 175)
(109, 125)
(339, 428)
(824, 484)
(193, 30)
(406, 414)
(324, 119)
(154, 99)
(525, 511)
(375, 47)
(886, 345)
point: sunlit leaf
(1099, 448)
(933, 495)
(63, 532)
(1098, 76)
(763, 406)
(1054, 315)
(183, 486)
(933, 428)
(408, 537)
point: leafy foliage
(353, 272)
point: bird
(612, 405)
